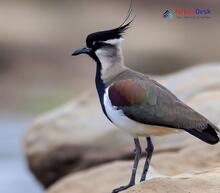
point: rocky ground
(73, 148)
(104, 178)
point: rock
(78, 136)
(105, 178)
(71, 139)
(101, 179)
(195, 168)
(197, 156)
(200, 182)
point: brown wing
(147, 102)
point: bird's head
(105, 46)
(103, 43)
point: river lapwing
(136, 103)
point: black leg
(149, 151)
(137, 152)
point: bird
(136, 103)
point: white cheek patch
(110, 55)
(114, 42)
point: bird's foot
(122, 188)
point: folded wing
(147, 102)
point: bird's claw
(122, 188)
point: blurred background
(37, 72)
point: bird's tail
(208, 135)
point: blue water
(14, 174)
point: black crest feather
(113, 33)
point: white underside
(132, 127)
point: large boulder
(78, 136)
(194, 168)
(101, 179)
(105, 178)
(200, 182)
